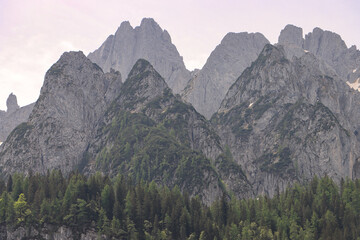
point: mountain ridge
(264, 114)
(122, 50)
(288, 116)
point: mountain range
(255, 119)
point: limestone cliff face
(287, 121)
(331, 48)
(73, 98)
(326, 46)
(150, 134)
(208, 87)
(13, 116)
(147, 41)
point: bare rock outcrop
(13, 116)
(208, 87)
(74, 96)
(147, 41)
(326, 46)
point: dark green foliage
(120, 209)
(149, 151)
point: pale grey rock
(324, 44)
(287, 121)
(18, 234)
(11, 104)
(73, 98)
(63, 233)
(147, 41)
(291, 35)
(208, 87)
(332, 49)
(291, 38)
(13, 116)
(327, 47)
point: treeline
(121, 209)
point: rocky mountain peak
(124, 29)
(147, 41)
(324, 43)
(68, 58)
(149, 23)
(232, 38)
(11, 103)
(141, 66)
(70, 63)
(327, 46)
(143, 84)
(208, 87)
(152, 29)
(70, 71)
(291, 35)
(271, 53)
(73, 98)
(125, 25)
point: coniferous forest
(123, 209)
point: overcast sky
(34, 34)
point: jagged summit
(269, 57)
(291, 35)
(208, 87)
(324, 43)
(124, 25)
(143, 84)
(141, 67)
(147, 41)
(326, 46)
(271, 52)
(11, 103)
(149, 23)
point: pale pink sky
(33, 34)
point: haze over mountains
(254, 119)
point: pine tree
(22, 210)
(107, 200)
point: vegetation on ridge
(120, 209)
